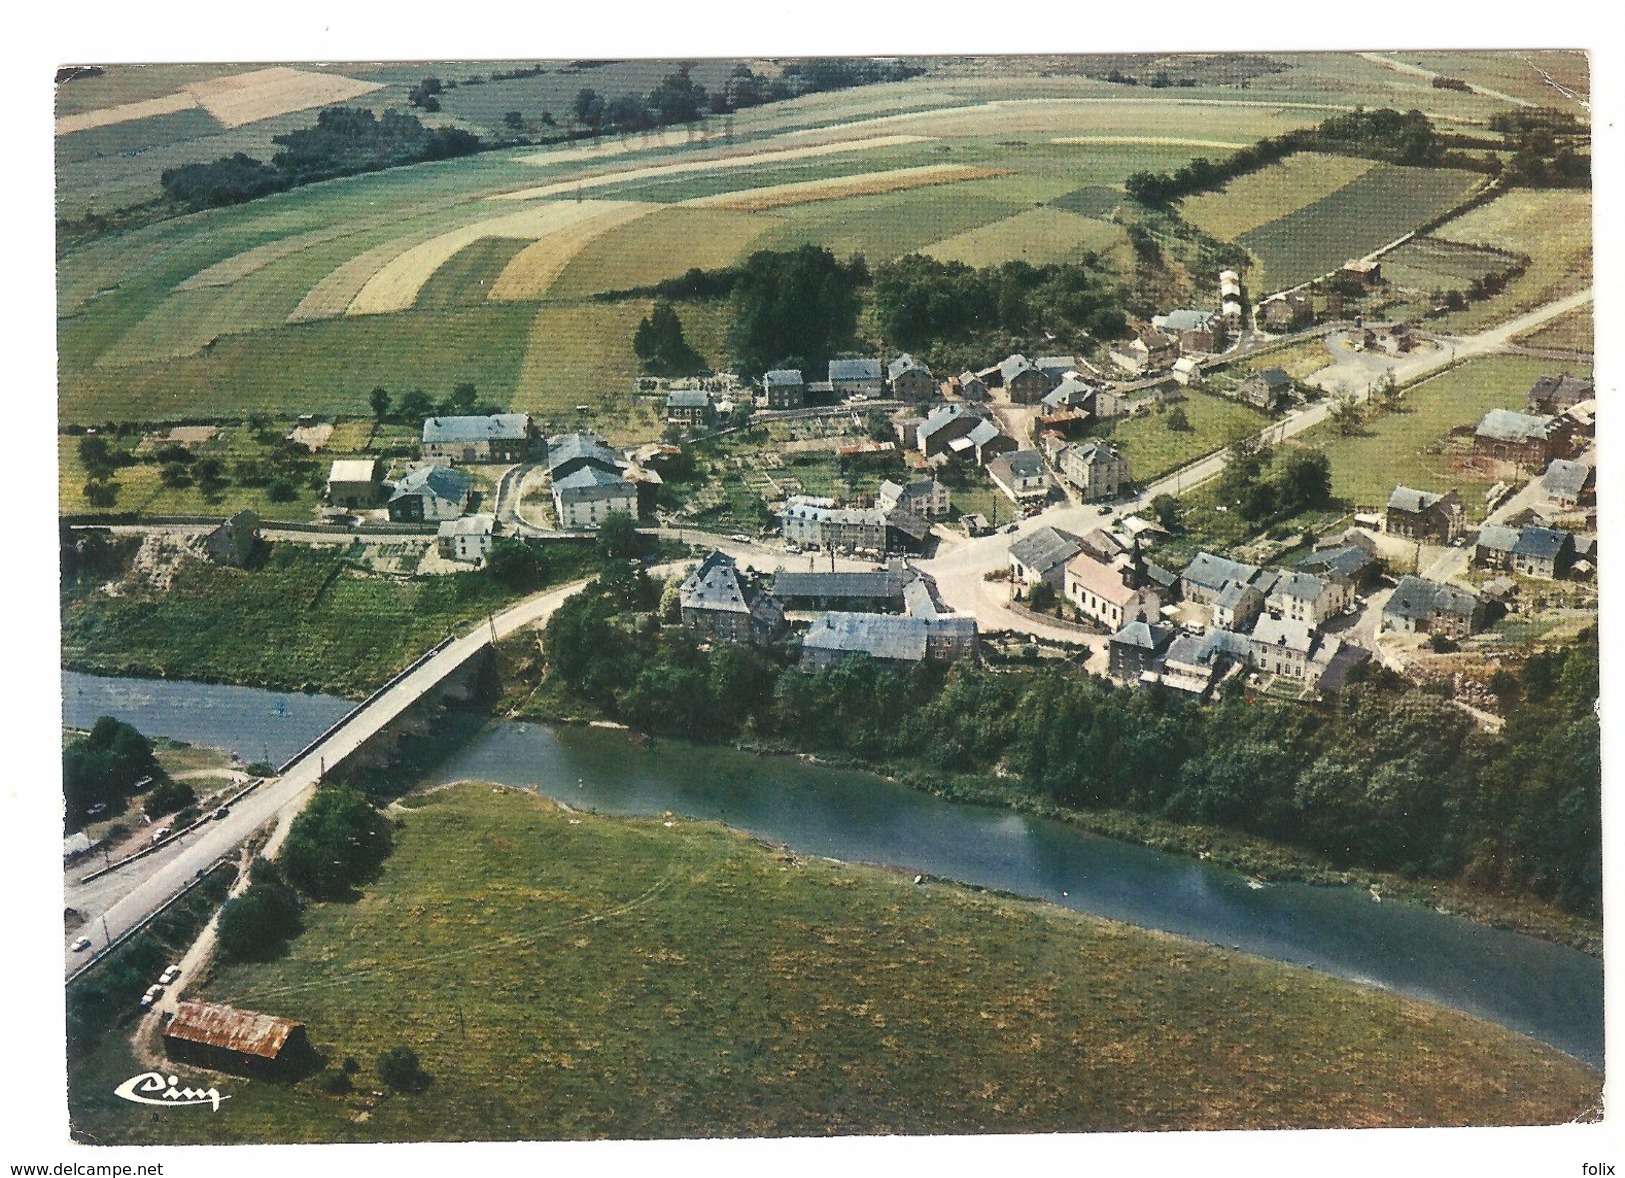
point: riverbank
(658, 978)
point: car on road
(222, 811)
(792, 548)
(1012, 528)
(160, 834)
(739, 538)
(169, 975)
(80, 945)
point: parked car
(160, 834)
(739, 538)
(152, 995)
(80, 945)
(222, 811)
(169, 975)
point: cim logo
(164, 1091)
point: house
(1041, 556)
(1580, 419)
(876, 591)
(354, 482)
(690, 407)
(903, 641)
(1147, 352)
(1057, 368)
(225, 1039)
(1061, 423)
(1238, 606)
(232, 543)
(1267, 389)
(1544, 553)
(1492, 547)
(430, 493)
(1286, 311)
(784, 388)
(467, 539)
(861, 377)
(1551, 395)
(1302, 596)
(1196, 663)
(1355, 565)
(924, 497)
(1229, 284)
(947, 424)
(970, 386)
(585, 498)
(906, 531)
(1531, 442)
(1419, 606)
(1097, 469)
(1422, 515)
(569, 453)
(1569, 484)
(1072, 392)
(1365, 273)
(496, 437)
(1134, 649)
(1188, 371)
(1282, 646)
(819, 524)
(719, 602)
(1103, 594)
(1023, 380)
(1207, 575)
(1021, 475)
(910, 379)
(1197, 331)
(982, 444)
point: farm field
(1256, 199)
(1037, 236)
(1427, 264)
(1576, 330)
(1363, 215)
(1551, 226)
(1521, 74)
(700, 984)
(468, 277)
(1404, 447)
(1153, 449)
(668, 242)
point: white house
(588, 496)
(468, 538)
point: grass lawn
(1297, 360)
(1576, 329)
(573, 976)
(1263, 196)
(1551, 226)
(1404, 447)
(1371, 211)
(1153, 449)
(259, 627)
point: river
(1547, 991)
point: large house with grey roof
(949, 423)
(820, 524)
(1558, 394)
(1530, 441)
(1023, 380)
(1420, 606)
(898, 640)
(721, 602)
(1492, 547)
(1021, 475)
(1041, 556)
(1423, 515)
(1543, 553)
(925, 497)
(569, 453)
(1303, 596)
(1097, 469)
(430, 493)
(862, 377)
(691, 407)
(589, 495)
(1569, 484)
(784, 388)
(910, 379)
(495, 437)
(1197, 331)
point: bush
(166, 797)
(281, 491)
(337, 842)
(257, 924)
(335, 1082)
(398, 1067)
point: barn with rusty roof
(230, 1040)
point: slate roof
(494, 427)
(1070, 393)
(868, 369)
(1411, 500)
(439, 482)
(1046, 548)
(590, 483)
(1022, 464)
(1093, 451)
(915, 527)
(942, 417)
(877, 584)
(1211, 572)
(716, 584)
(982, 434)
(1505, 425)
(1540, 543)
(1344, 659)
(1234, 594)
(782, 376)
(881, 636)
(1303, 586)
(1558, 393)
(1274, 379)
(1349, 560)
(1285, 633)
(1144, 635)
(568, 447)
(1567, 478)
(1186, 319)
(904, 363)
(1013, 366)
(1417, 599)
(482, 524)
(687, 399)
(1497, 538)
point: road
(123, 899)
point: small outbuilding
(230, 1040)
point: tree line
(344, 142)
(1385, 775)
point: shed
(231, 1040)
